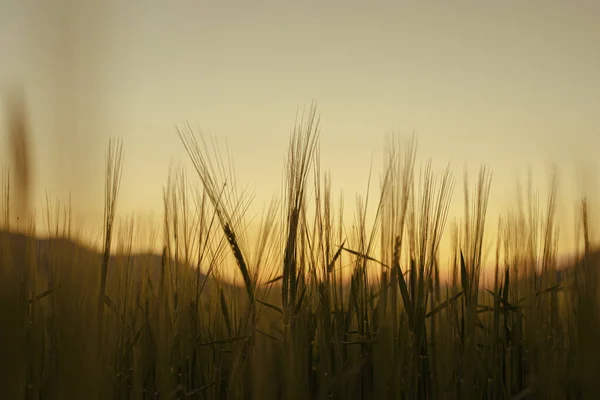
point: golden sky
(510, 84)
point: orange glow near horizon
(510, 85)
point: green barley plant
(316, 308)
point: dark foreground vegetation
(323, 311)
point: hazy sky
(506, 83)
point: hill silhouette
(54, 252)
(60, 250)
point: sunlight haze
(509, 84)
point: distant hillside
(567, 267)
(60, 250)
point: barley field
(319, 311)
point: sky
(508, 84)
